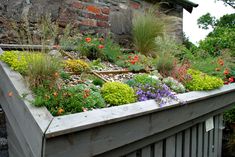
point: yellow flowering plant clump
(201, 81)
(77, 66)
(16, 60)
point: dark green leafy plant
(117, 93)
(65, 100)
(98, 82)
(111, 50)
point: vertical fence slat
(158, 149)
(146, 152)
(205, 145)
(132, 155)
(200, 140)
(220, 132)
(187, 143)
(179, 144)
(216, 133)
(194, 142)
(170, 146)
(211, 143)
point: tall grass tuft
(43, 70)
(146, 27)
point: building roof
(186, 4)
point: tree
(206, 21)
(229, 2)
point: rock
(1, 51)
(55, 53)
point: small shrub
(146, 27)
(16, 60)
(144, 79)
(111, 50)
(77, 66)
(92, 48)
(165, 64)
(174, 85)
(64, 75)
(135, 62)
(202, 81)
(117, 93)
(98, 82)
(68, 100)
(97, 64)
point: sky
(190, 26)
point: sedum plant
(201, 81)
(77, 66)
(174, 85)
(117, 93)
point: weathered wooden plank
(29, 121)
(194, 141)
(205, 144)
(216, 134)
(187, 140)
(211, 143)
(146, 151)
(132, 155)
(81, 121)
(200, 140)
(170, 146)
(158, 149)
(179, 144)
(220, 131)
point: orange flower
(10, 94)
(231, 79)
(55, 94)
(221, 62)
(217, 69)
(132, 62)
(88, 40)
(226, 71)
(101, 46)
(60, 111)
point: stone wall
(90, 16)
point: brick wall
(90, 16)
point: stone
(1, 51)
(55, 53)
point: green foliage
(97, 64)
(201, 81)
(67, 100)
(42, 70)
(92, 47)
(174, 85)
(143, 79)
(64, 75)
(16, 60)
(77, 66)
(98, 82)
(229, 116)
(165, 63)
(226, 21)
(111, 50)
(146, 27)
(206, 20)
(117, 93)
(135, 62)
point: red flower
(101, 46)
(226, 82)
(226, 71)
(132, 62)
(231, 79)
(88, 40)
(129, 57)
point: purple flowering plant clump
(160, 92)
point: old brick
(77, 5)
(103, 24)
(94, 9)
(66, 16)
(88, 22)
(135, 5)
(102, 17)
(105, 10)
